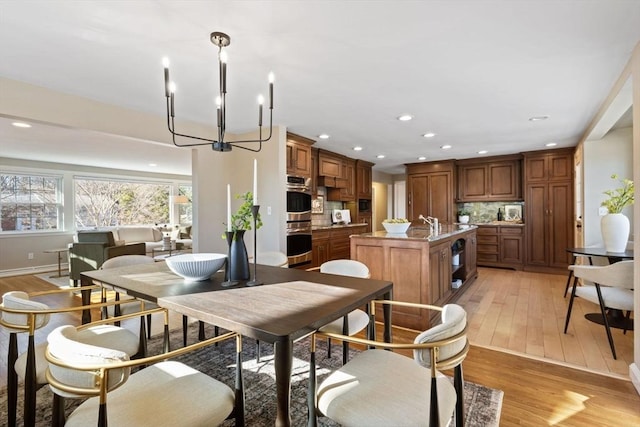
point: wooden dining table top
(291, 303)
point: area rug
(482, 404)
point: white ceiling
(473, 72)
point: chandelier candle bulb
(165, 62)
(271, 80)
(260, 102)
(255, 182)
(229, 208)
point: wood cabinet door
(470, 256)
(537, 209)
(417, 197)
(472, 182)
(511, 250)
(329, 165)
(320, 252)
(560, 166)
(440, 202)
(349, 173)
(298, 159)
(363, 180)
(314, 171)
(504, 181)
(560, 223)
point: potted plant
(463, 216)
(614, 225)
(241, 221)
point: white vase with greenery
(614, 225)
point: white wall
(212, 171)
(602, 158)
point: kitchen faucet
(433, 223)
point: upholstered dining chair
(609, 286)
(385, 388)
(356, 320)
(21, 314)
(163, 393)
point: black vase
(238, 257)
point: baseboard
(31, 270)
(634, 375)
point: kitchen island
(425, 267)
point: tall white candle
(229, 207)
(255, 182)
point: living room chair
(20, 314)
(355, 321)
(610, 287)
(93, 248)
(166, 393)
(385, 388)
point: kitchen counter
(509, 223)
(423, 233)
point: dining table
(615, 318)
(290, 304)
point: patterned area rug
(482, 404)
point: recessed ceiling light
(429, 135)
(550, 144)
(405, 117)
(482, 152)
(153, 165)
(323, 136)
(446, 147)
(21, 125)
(422, 158)
(538, 118)
(380, 156)
(357, 148)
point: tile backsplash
(324, 219)
(487, 211)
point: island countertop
(422, 233)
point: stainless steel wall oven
(298, 220)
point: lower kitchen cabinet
(501, 246)
(333, 243)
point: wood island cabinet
(430, 188)
(299, 155)
(496, 178)
(421, 270)
(548, 209)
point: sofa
(152, 236)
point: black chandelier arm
(260, 139)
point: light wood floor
(525, 313)
(508, 308)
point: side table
(59, 251)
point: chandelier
(221, 40)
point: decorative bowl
(195, 267)
(396, 227)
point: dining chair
(21, 314)
(355, 321)
(610, 287)
(162, 393)
(384, 388)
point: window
(103, 203)
(30, 202)
(185, 208)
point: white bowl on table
(396, 227)
(196, 267)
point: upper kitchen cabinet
(363, 179)
(314, 171)
(329, 164)
(490, 179)
(430, 189)
(345, 188)
(299, 155)
(548, 166)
